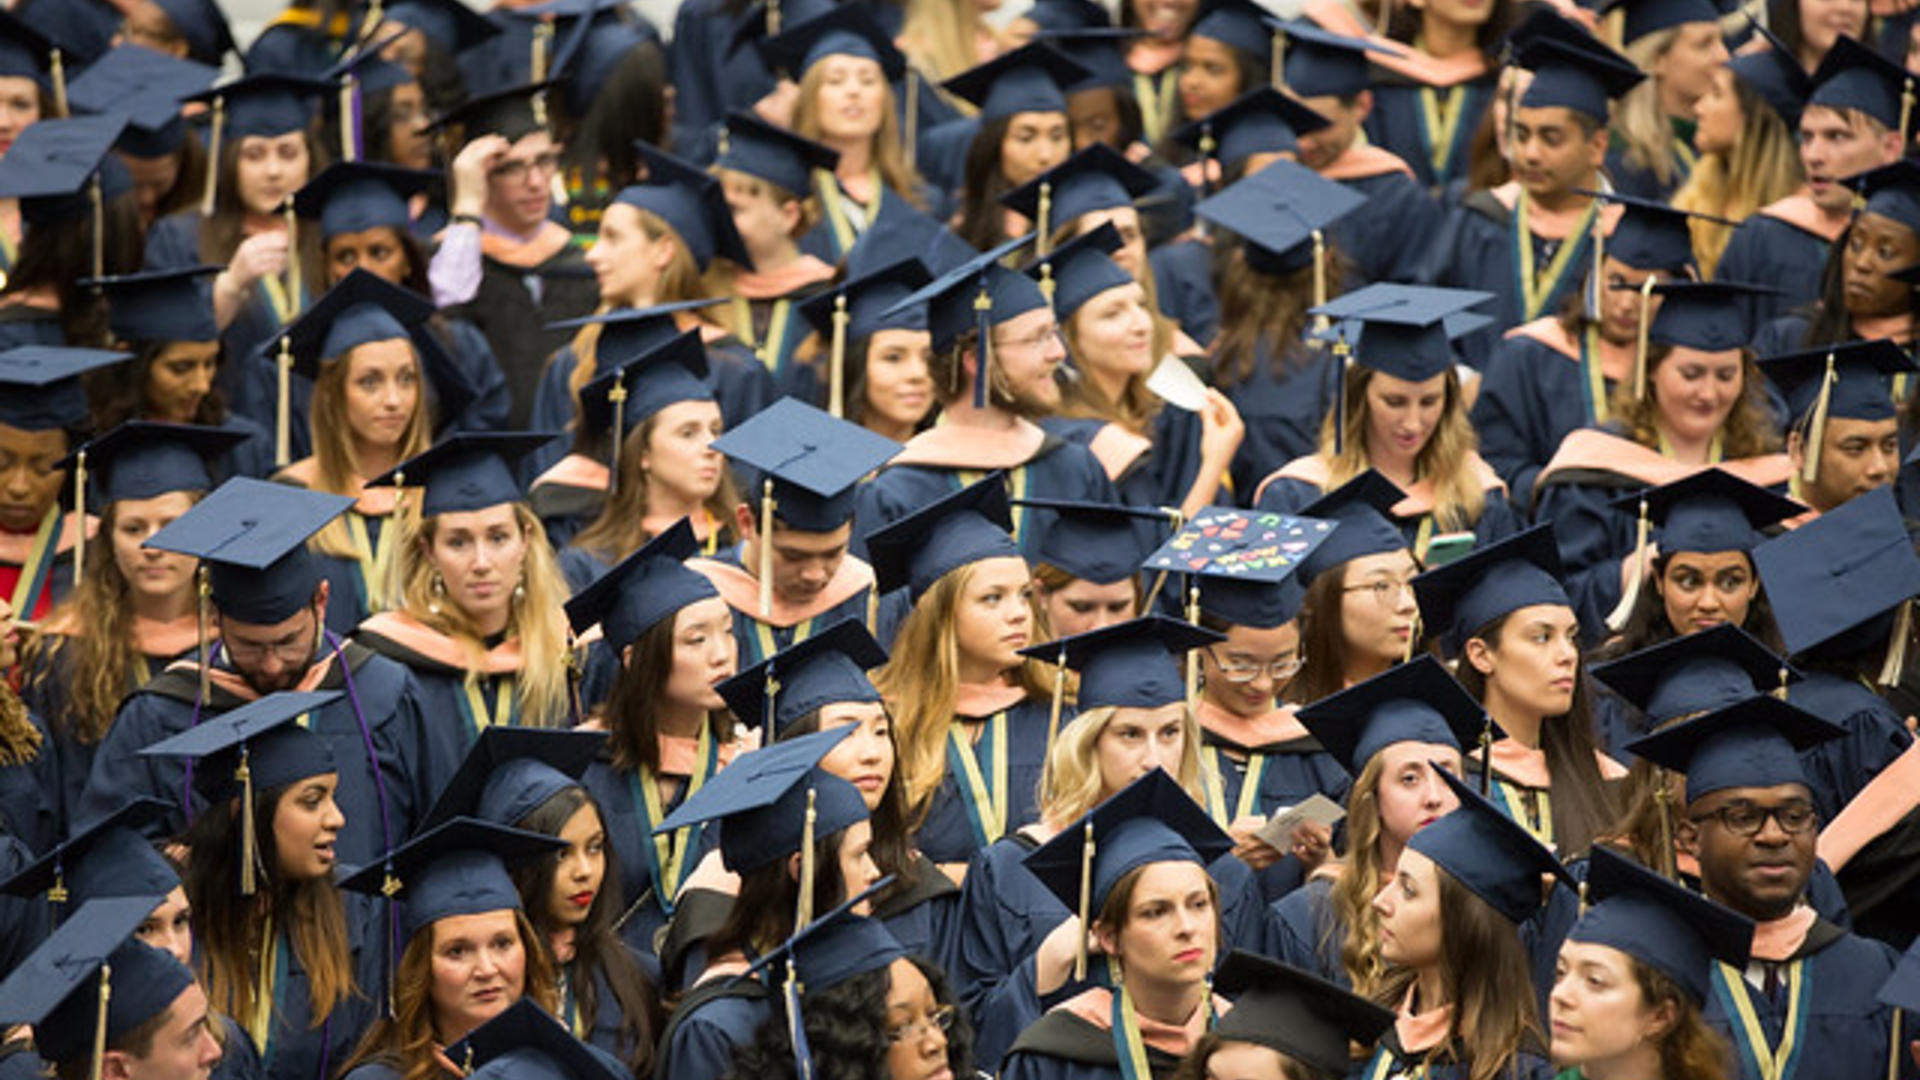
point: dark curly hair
(846, 1028)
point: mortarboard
(204, 25)
(1261, 121)
(965, 527)
(1458, 599)
(1418, 701)
(642, 589)
(1283, 212)
(458, 867)
(160, 305)
(1032, 78)
(1245, 566)
(1097, 177)
(808, 463)
(466, 471)
(1854, 76)
(1853, 381)
(977, 295)
(1099, 49)
(146, 87)
(1239, 24)
(1098, 542)
(1298, 1014)
(353, 196)
(1650, 235)
(451, 23)
(26, 53)
(362, 308)
(691, 203)
(1891, 191)
(63, 170)
(1324, 64)
(253, 535)
(1402, 327)
(107, 857)
(1752, 743)
(861, 307)
(1712, 316)
(779, 802)
(1902, 988)
(1660, 923)
(844, 30)
(1775, 74)
(627, 333)
(513, 113)
(621, 398)
(828, 668)
(141, 459)
(1840, 572)
(263, 104)
(1489, 853)
(1080, 269)
(1582, 75)
(91, 982)
(1363, 508)
(524, 1043)
(1645, 17)
(42, 384)
(509, 772)
(1129, 665)
(1695, 673)
(1709, 512)
(750, 145)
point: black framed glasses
(1747, 819)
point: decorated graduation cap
(513, 113)
(1363, 508)
(1855, 76)
(146, 87)
(41, 384)
(107, 857)
(1457, 599)
(1098, 542)
(827, 668)
(861, 307)
(1489, 853)
(1853, 381)
(466, 471)
(1261, 121)
(353, 196)
(1402, 329)
(525, 1043)
(1891, 191)
(458, 867)
(968, 526)
(1240, 24)
(1660, 923)
(452, 23)
(750, 145)
(1298, 1014)
(1320, 63)
(1645, 17)
(621, 399)
(1244, 566)
(160, 305)
(1775, 74)
(1696, 673)
(1582, 75)
(1095, 178)
(1129, 665)
(1283, 212)
(1752, 743)
(66, 170)
(843, 30)
(252, 535)
(1080, 269)
(691, 203)
(1151, 820)
(642, 589)
(91, 982)
(1418, 701)
(510, 771)
(1032, 78)
(1841, 572)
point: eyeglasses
(939, 1019)
(512, 172)
(1385, 593)
(1239, 671)
(1034, 342)
(1746, 819)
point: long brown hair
(1458, 496)
(336, 466)
(1359, 880)
(1323, 639)
(632, 705)
(1259, 309)
(885, 145)
(1690, 1049)
(222, 231)
(1748, 431)
(621, 527)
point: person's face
(269, 169)
(625, 260)
(1701, 590)
(1402, 415)
(805, 562)
(1377, 608)
(153, 177)
(680, 457)
(479, 968)
(274, 656)
(853, 90)
(180, 378)
(1409, 909)
(1823, 21)
(377, 250)
(183, 1049)
(150, 572)
(993, 620)
(1834, 146)
(1536, 663)
(1877, 247)
(1034, 143)
(520, 187)
(1246, 673)
(1597, 1011)
(1319, 148)
(1027, 352)
(480, 555)
(1137, 741)
(765, 223)
(1688, 67)
(1695, 391)
(1552, 153)
(1620, 306)
(19, 108)
(1411, 793)
(1081, 605)
(1132, 253)
(1209, 76)
(916, 1026)
(406, 46)
(29, 483)
(857, 868)
(899, 385)
(306, 823)
(407, 145)
(1246, 1061)
(1172, 929)
(169, 927)
(864, 758)
(1094, 116)
(1165, 19)
(1717, 115)
(1856, 456)
(1115, 331)
(1762, 875)
(579, 869)
(704, 654)
(382, 391)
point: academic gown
(1538, 387)
(765, 311)
(1304, 480)
(1288, 766)
(1640, 181)
(715, 1018)
(1074, 1041)
(845, 596)
(238, 1059)
(1438, 153)
(1783, 245)
(1477, 247)
(36, 568)
(1155, 470)
(844, 221)
(352, 581)
(1876, 735)
(956, 825)
(1282, 403)
(23, 919)
(1183, 285)
(567, 496)
(1390, 1062)
(1304, 930)
(1521, 786)
(1387, 238)
(294, 1049)
(605, 1033)
(522, 289)
(381, 798)
(30, 794)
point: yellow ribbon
(1442, 123)
(1771, 1061)
(502, 712)
(372, 558)
(1535, 295)
(30, 575)
(989, 800)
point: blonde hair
(1070, 782)
(681, 280)
(621, 527)
(921, 684)
(1762, 168)
(1748, 430)
(1137, 405)
(540, 687)
(1357, 882)
(884, 147)
(1458, 496)
(940, 40)
(336, 467)
(1639, 119)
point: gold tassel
(1486, 756)
(1277, 49)
(1894, 1047)
(1663, 801)
(912, 125)
(1047, 284)
(1780, 691)
(766, 548)
(1599, 263)
(346, 118)
(58, 893)
(99, 226)
(773, 27)
(769, 691)
(1640, 345)
(204, 617)
(1897, 645)
(293, 258)
(1584, 902)
(1817, 425)
(803, 914)
(1059, 696)
(214, 125)
(1193, 655)
(1906, 108)
(873, 609)
(1320, 322)
(80, 515)
(542, 45)
(1636, 572)
(244, 774)
(1086, 904)
(57, 68)
(837, 358)
(617, 398)
(1040, 244)
(100, 1018)
(283, 403)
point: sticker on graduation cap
(1241, 543)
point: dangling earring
(520, 590)
(439, 590)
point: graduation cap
(204, 25)
(750, 145)
(253, 536)
(1891, 191)
(1710, 512)
(1098, 542)
(1052, 16)
(42, 384)
(524, 1043)
(1238, 24)
(451, 23)
(1660, 923)
(1902, 988)
(1283, 212)
(1775, 74)
(1489, 853)
(466, 471)
(1854, 76)
(1839, 572)
(362, 71)
(843, 30)
(1245, 565)
(1151, 820)
(691, 203)
(1401, 327)
(1650, 235)
(509, 772)
(829, 667)
(354, 196)
(1261, 121)
(1095, 178)
(597, 40)
(1645, 17)
(160, 305)
(91, 982)
(642, 589)
(977, 295)
(626, 333)
(458, 867)
(1300, 1015)
(1324, 64)
(107, 857)
(141, 459)
(968, 526)
(1080, 270)
(1032, 78)
(1711, 316)
(513, 113)
(1695, 673)
(1582, 75)
(623, 397)
(1752, 743)
(26, 53)
(825, 953)
(1129, 665)
(1418, 701)
(861, 307)
(360, 309)
(1363, 509)
(1098, 49)
(898, 233)
(146, 87)
(265, 105)
(63, 170)
(1853, 380)
(1457, 599)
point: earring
(520, 591)
(439, 590)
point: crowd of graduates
(880, 540)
